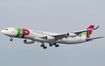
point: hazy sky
(53, 16)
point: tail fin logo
(87, 34)
(90, 31)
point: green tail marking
(83, 34)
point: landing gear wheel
(44, 47)
(50, 45)
(41, 45)
(56, 45)
(11, 39)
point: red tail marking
(90, 31)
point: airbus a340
(30, 36)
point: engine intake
(71, 34)
(50, 38)
(28, 41)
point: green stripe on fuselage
(19, 32)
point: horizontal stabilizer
(89, 39)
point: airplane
(30, 36)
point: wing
(54, 37)
(60, 36)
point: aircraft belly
(43, 40)
(72, 40)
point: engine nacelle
(50, 38)
(71, 34)
(28, 41)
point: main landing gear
(56, 45)
(43, 45)
(51, 44)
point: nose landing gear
(11, 38)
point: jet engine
(28, 41)
(71, 34)
(50, 38)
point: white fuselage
(36, 35)
(68, 40)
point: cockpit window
(5, 29)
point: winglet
(96, 27)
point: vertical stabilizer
(90, 31)
(87, 34)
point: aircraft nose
(2, 31)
